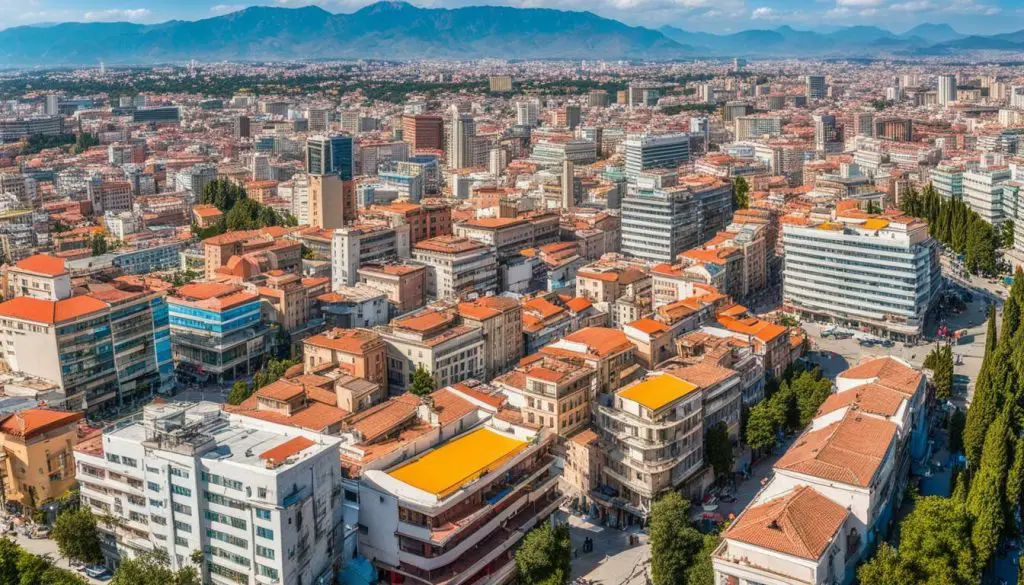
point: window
(182, 508)
(263, 514)
(220, 480)
(261, 493)
(155, 503)
(227, 573)
(225, 537)
(158, 520)
(262, 551)
(225, 519)
(180, 541)
(129, 462)
(113, 458)
(264, 533)
(181, 491)
(179, 473)
(268, 572)
(182, 526)
(153, 486)
(224, 501)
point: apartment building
(506, 236)
(427, 219)
(432, 338)
(104, 348)
(404, 284)
(454, 514)
(365, 243)
(556, 393)
(266, 244)
(877, 272)
(358, 352)
(37, 463)
(604, 350)
(501, 321)
(983, 192)
(40, 276)
(217, 331)
(456, 266)
(261, 500)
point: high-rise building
(332, 201)
(261, 500)
(568, 189)
(242, 127)
(758, 126)
(828, 135)
(500, 83)
(733, 110)
(898, 129)
(527, 113)
(319, 119)
(881, 272)
(52, 105)
(330, 156)
(815, 86)
(460, 153)
(1017, 96)
(423, 132)
(946, 89)
(572, 116)
(659, 223)
(646, 151)
(598, 98)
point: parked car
(40, 532)
(99, 572)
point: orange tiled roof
(887, 372)
(801, 523)
(50, 312)
(287, 449)
(849, 451)
(35, 421)
(42, 264)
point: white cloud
(972, 7)
(869, 12)
(913, 6)
(858, 3)
(117, 14)
(764, 13)
(226, 8)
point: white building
(260, 500)
(947, 89)
(456, 266)
(359, 244)
(882, 273)
(983, 192)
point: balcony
(466, 568)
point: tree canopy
(940, 362)
(675, 544)
(740, 193)
(718, 449)
(422, 382)
(956, 225)
(545, 557)
(152, 568)
(76, 536)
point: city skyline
(727, 16)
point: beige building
(556, 394)
(37, 459)
(40, 276)
(432, 338)
(456, 266)
(501, 320)
(358, 352)
(606, 351)
(332, 202)
(404, 284)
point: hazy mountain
(397, 30)
(386, 30)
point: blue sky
(968, 16)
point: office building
(460, 151)
(881, 273)
(423, 132)
(364, 243)
(983, 192)
(261, 500)
(318, 119)
(160, 115)
(948, 180)
(330, 156)
(527, 113)
(217, 331)
(757, 127)
(195, 179)
(553, 154)
(896, 129)
(500, 83)
(735, 109)
(13, 129)
(828, 135)
(648, 151)
(815, 87)
(106, 348)
(242, 127)
(946, 89)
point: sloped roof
(801, 523)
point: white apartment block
(456, 266)
(882, 273)
(261, 501)
(983, 192)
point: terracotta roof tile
(42, 264)
(849, 451)
(34, 421)
(801, 523)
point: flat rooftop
(657, 392)
(456, 463)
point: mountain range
(401, 31)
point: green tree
(99, 245)
(1006, 233)
(152, 568)
(718, 449)
(810, 390)
(31, 568)
(935, 542)
(271, 372)
(702, 572)
(760, 434)
(985, 501)
(76, 536)
(940, 362)
(956, 431)
(10, 553)
(740, 194)
(885, 568)
(985, 404)
(422, 382)
(239, 392)
(1015, 478)
(545, 557)
(675, 544)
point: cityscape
(488, 295)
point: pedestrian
(575, 553)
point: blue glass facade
(342, 158)
(221, 322)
